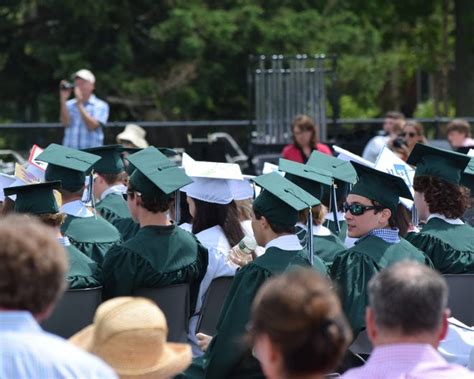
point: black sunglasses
(359, 209)
(411, 135)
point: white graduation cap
(211, 180)
(346, 155)
(242, 189)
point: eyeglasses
(359, 209)
(131, 193)
(411, 134)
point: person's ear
(385, 215)
(444, 325)
(370, 323)
(264, 222)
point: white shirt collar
(452, 221)
(318, 230)
(76, 208)
(117, 189)
(330, 216)
(286, 242)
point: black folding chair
(461, 297)
(74, 311)
(212, 304)
(174, 302)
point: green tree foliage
(188, 59)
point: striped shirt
(76, 135)
(407, 361)
(26, 351)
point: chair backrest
(174, 302)
(74, 311)
(461, 296)
(362, 344)
(212, 304)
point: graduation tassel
(309, 236)
(414, 216)
(333, 204)
(91, 193)
(177, 207)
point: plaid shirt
(76, 135)
(388, 235)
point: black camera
(399, 143)
(67, 85)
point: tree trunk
(464, 66)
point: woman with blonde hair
(298, 329)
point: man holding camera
(85, 115)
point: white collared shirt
(118, 189)
(318, 230)
(76, 208)
(340, 216)
(452, 221)
(287, 242)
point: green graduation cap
(340, 170)
(443, 164)
(281, 200)
(467, 178)
(169, 153)
(305, 176)
(155, 174)
(67, 165)
(110, 159)
(380, 186)
(35, 198)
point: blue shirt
(388, 235)
(26, 351)
(76, 135)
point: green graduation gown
(93, 236)
(352, 270)
(83, 271)
(324, 247)
(126, 227)
(158, 256)
(331, 225)
(227, 356)
(450, 247)
(113, 207)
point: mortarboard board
(309, 178)
(36, 198)
(443, 164)
(379, 186)
(281, 200)
(154, 174)
(67, 165)
(339, 169)
(211, 180)
(110, 159)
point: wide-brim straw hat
(130, 334)
(135, 134)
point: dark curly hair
(450, 200)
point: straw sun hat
(130, 335)
(134, 134)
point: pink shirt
(407, 361)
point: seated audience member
(441, 202)
(305, 140)
(32, 270)
(459, 135)
(40, 200)
(92, 235)
(406, 320)
(412, 134)
(275, 215)
(130, 335)
(161, 253)
(109, 174)
(297, 327)
(376, 144)
(133, 136)
(372, 217)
